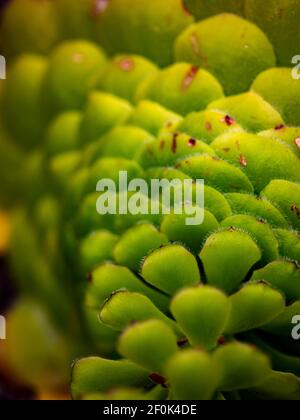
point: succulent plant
(170, 311)
(220, 275)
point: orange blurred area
(4, 232)
(11, 388)
(46, 396)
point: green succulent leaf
(193, 375)
(96, 248)
(124, 308)
(124, 73)
(250, 110)
(174, 226)
(243, 366)
(282, 325)
(204, 44)
(235, 252)
(72, 72)
(285, 99)
(288, 135)
(202, 314)
(183, 88)
(260, 231)
(152, 117)
(62, 133)
(170, 269)
(207, 125)
(240, 149)
(279, 386)
(283, 275)
(107, 278)
(102, 112)
(217, 173)
(124, 141)
(150, 344)
(171, 147)
(96, 375)
(254, 305)
(289, 243)
(285, 196)
(257, 207)
(23, 90)
(137, 243)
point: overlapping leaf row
(179, 303)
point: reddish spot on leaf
(78, 58)
(192, 142)
(182, 342)
(279, 127)
(222, 341)
(296, 264)
(98, 7)
(126, 64)
(208, 126)
(174, 143)
(232, 229)
(243, 161)
(279, 12)
(262, 282)
(226, 149)
(189, 77)
(158, 379)
(297, 142)
(228, 120)
(185, 8)
(295, 210)
(195, 43)
(89, 277)
(262, 221)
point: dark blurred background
(3, 2)
(9, 388)
(7, 291)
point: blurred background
(10, 388)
